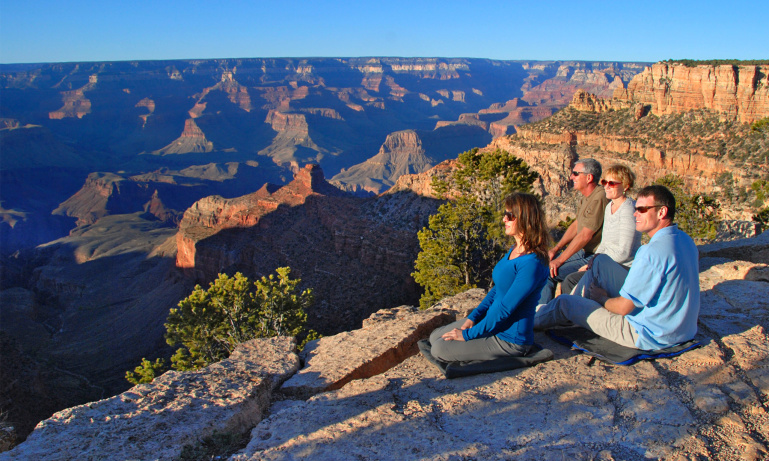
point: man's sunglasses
(610, 183)
(577, 173)
(644, 209)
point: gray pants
(572, 309)
(473, 350)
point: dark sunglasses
(644, 209)
(610, 183)
(577, 173)
(509, 215)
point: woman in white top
(620, 239)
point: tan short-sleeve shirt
(590, 215)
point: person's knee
(435, 336)
(601, 260)
(438, 349)
(563, 307)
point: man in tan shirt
(584, 234)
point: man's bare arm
(577, 243)
(618, 305)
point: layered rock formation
(410, 152)
(164, 193)
(192, 139)
(739, 92)
(708, 403)
(655, 152)
(286, 113)
(75, 102)
(345, 248)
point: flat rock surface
(155, 421)
(563, 409)
(386, 338)
(709, 403)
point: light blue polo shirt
(664, 285)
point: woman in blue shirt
(503, 323)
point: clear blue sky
(118, 30)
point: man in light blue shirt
(652, 306)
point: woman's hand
(467, 325)
(453, 335)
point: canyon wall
(344, 247)
(739, 92)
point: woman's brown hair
(527, 209)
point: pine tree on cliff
(209, 324)
(465, 238)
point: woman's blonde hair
(621, 173)
(527, 210)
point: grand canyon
(126, 183)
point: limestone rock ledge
(155, 421)
(387, 338)
(366, 394)
(709, 403)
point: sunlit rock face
(740, 92)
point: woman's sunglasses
(610, 183)
(509, 215)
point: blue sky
(112, 30)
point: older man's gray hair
(591, 166)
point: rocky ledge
(367, 394)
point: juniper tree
(209, 324)
(697, 215)
(465, 238)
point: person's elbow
(619, 305)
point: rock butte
(366, 395)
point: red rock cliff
(346, 248)
(739, 92)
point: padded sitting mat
(458, 369)
(591, 344)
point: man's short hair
(591, 166)
(662, 197)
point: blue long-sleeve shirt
(508, 309)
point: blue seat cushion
(590, 343)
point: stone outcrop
(353, 355)
(164, 194)
(402, 153)
(651, 162)
(705, 403)
(739, 92)
(699, 172)
(192, 139)
(345, 247)
(213, 214)
(411, 152)
(156, 421)
(76, 105)
(709, 403)
(584, 101)
(755, 249)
